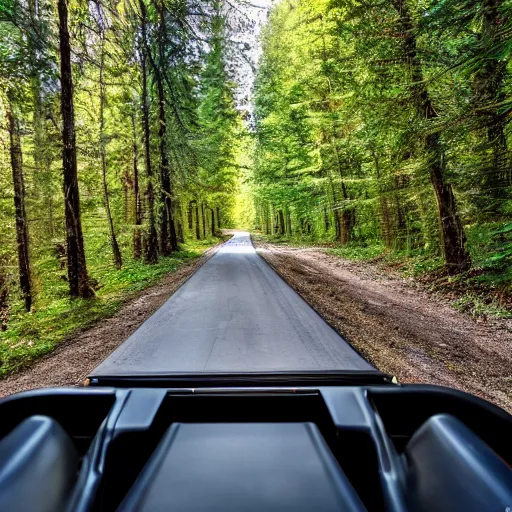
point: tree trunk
(169, 240)
(189, 215)
(137, 240)
(281, 226)
(198, 231)
(116, 253)
(213, 221)
(151, 239)
(218, 217)
(4, 302)
(204, 219)
(77, 269)
(346, 218)
(326, 220)
(167, 232)
(452, 233)
(19, 209)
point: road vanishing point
(234, 315)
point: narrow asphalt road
(235, 314)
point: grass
(55, 317)
(358, 253)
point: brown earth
(398, 326)
(71, 362)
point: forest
(133, 131)
(119, 151)
(384, 126)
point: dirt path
(72, 361)
(398, 326)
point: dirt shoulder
(71, 362)
(398, 326)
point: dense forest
(130, 136)
(119, 148)
(385, 126)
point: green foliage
(387, 126)
(194, 161)
(358, 252)
(56, 317)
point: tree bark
(198, 231)
(326, 220)
(204, 219)
(19, 209)
(77, 270)
(151, 240)
(346, 218)
(116, 252)
(168, 238)
(281, 226)
(218, 217)
(190, 216)
(452, 232)
(213, 221)
(137, 240)
(4, 302)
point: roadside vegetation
(119, 152)
(55, 317)
(384, 128)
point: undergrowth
(483, 290)
(55, 316)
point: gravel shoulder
(398, 326)
(72, 361)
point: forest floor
(70, 363)
(398, 325)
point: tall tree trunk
(198, 231)
(452, 232)
(77, 270)
(151, 240)
(190, 218)
(204, 219)
(168, 230)
(288, 222)
(116, 253)
(19, 209)
(4, 302)
(137, 239)
(218, 217)
(346, 217)
(281, 226)
(168, 238)
(213, 221)
(326, 220)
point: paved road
(235, 314)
